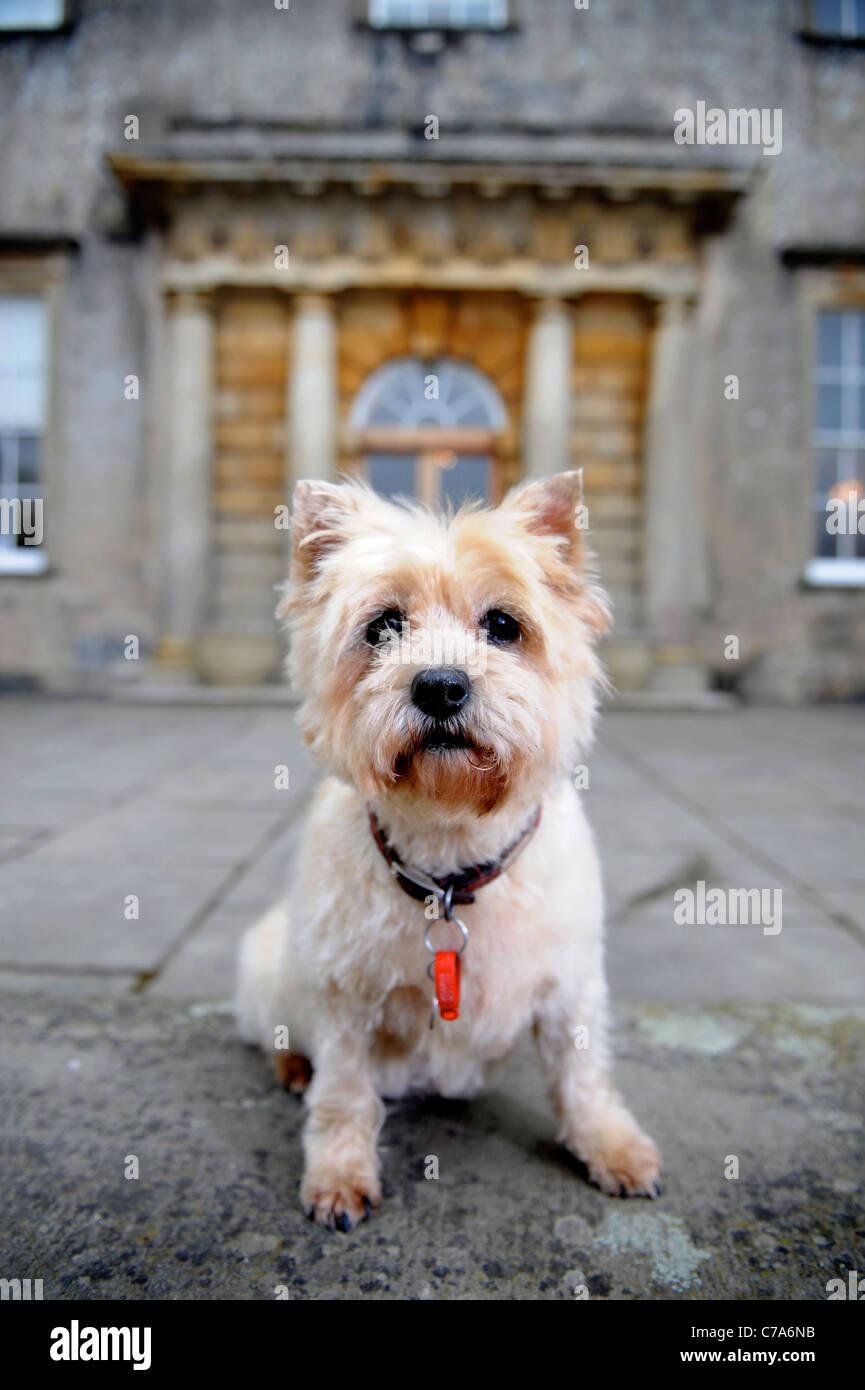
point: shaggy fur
(342, 965)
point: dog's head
(448, 659)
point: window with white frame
(839, 448)
(22, 427)
(438, 14)
(844, 19)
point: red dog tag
(447, 973)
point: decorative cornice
(492, 169)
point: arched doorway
(430, 430)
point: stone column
(674, 541)
(184, 511)
(312, 391)
(547, 403)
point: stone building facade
(446, 245)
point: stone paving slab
(172, 806)
(204, 968)
(64, 912)
(705, 965)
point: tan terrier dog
(448, 679)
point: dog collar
(459, 887)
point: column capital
(313, 302)
(548, 306)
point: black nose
(441, 691)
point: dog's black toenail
(623, 1191)
(367, 1206)
(343, 1222)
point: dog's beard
(451, 764)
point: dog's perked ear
(319, 511)
(553, 508)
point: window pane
(837, 506)
(468, 478)
(860, 18)
(829, 340)
(418, 394)
(22, 363)
(828, 407)
(827, 16)
(827, 472)
(8, 465)
(465, 408)
(481, 12)
(825, 541)
(22, 400)
(392, 474)
(396, 12)
(18, 485)
(28, 464)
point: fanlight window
(417, 394)
(429, 430)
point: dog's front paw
(621, 1159)
(339, 1203)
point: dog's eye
(390, 621)
(501, 626)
